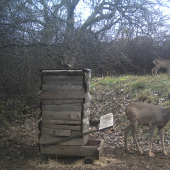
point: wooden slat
(62, 72)
(77, 141)
(56, 102)
(61, 132)
(47, 133)
(86, 113)
(87, 86)
(62, 107)
(87, 76)
(88, 151)
(67, 115)
(63, 79)
(85, 125)
(62, 95)
(54, 126)
(77, 122)
(87, 97)
(50, 87)
(86, 106)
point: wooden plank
(68, 150)
(103, 118)
(86, 113)
(86, 106)
(47, 133)
(50, 87)
(62, 72)
(87, 75)
(65, 101)
(87, 86)
(99, 143)
(85, 139)
(72, 137)
(85, 125)
(67, 115)
(62, 95)
(54, 126)
(63, 79)
(87, 97)
(61, 132)
(62, 107)
(106, 121)
(77, 141)
(70, 122)
(81, 151)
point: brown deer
(161, 63)
(147, 115)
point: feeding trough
(65, 102)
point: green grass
(128, 88)
(144, 88)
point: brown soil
(19, 150)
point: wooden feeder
(65, 102)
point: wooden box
(93, 148)
(65, 102)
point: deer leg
(151, 130)
(153, 70)
(161, 135)
(126, 132)
(134, 129)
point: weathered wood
(86, 113)
(67, 115)
(62, 95)
(61, 132)
(50, 87)
(87, 86)
(85, 125)
(47, 133)
(87, 97)
(102, 119)
(77, 141)
(62, 72)
(87, 76)
(62, 122)
(54, 126)
(63, 79)
(106, 121)
(62, 107)
(80, 151)
(99, 143)
(86, 106)
(65, 101)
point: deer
(161, 63)
(144, 114)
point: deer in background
(161, 63)
(145, 114)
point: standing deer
(147, 115)
(161, 63)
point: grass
(144, 88)
(112, 94)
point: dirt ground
(19, 150)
